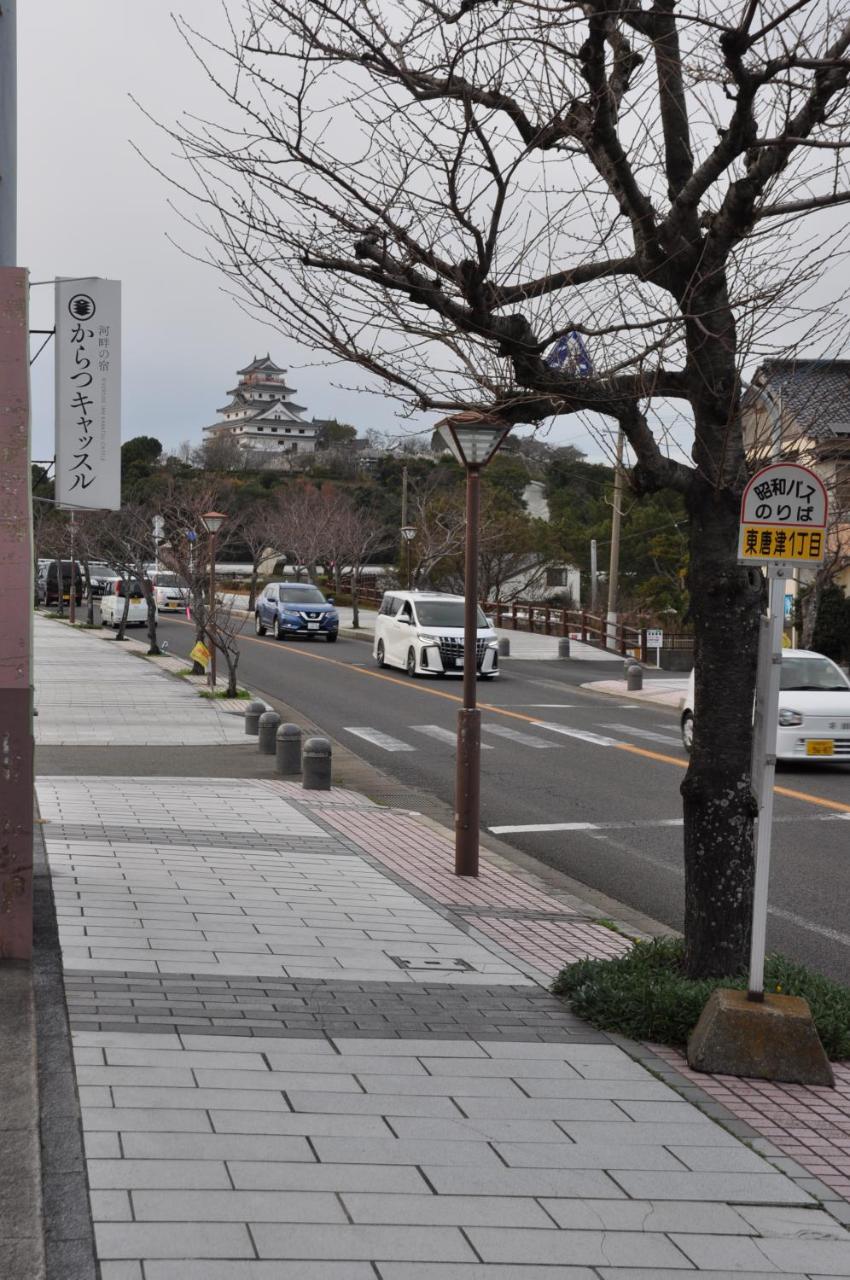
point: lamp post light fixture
(473, 438)
(212, 522)
(408, 533)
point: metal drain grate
(444, 964)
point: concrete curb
(21, 1214)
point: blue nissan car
(295, 609)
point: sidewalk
(304, 1050)
(664, 693)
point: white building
(263, 417)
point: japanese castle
(263, 416)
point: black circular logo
(81, 306)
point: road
(584, 782)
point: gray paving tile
(120, 1271)
(238, 1206)
(583, 1110)
(263, 1175)
(720, 1159)
(324, 1125)
(446, 1086)
(585, 1155)
(811, 1224)
(130, 1173)
(111, 1206)
(588, 1248)
(544, 1068)
(656, 1273)
(818, 1257)
(414, 1048)
(172, 1240)
(199, 1099)
(360, 1242)
(460, 1211)
(101, 1145)
(482, 1129)
(145, 1118)
(232, 1270)
(731, 1188)
(380, 1104)
(693, 1133)
(459, 1180)
(254, 1044)
(168, 1077)
(646, 1215)
(216, 1146)
(216, 1060)
(479, 1271)
(396, 1151)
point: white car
(112, 604)
(422, 632)
(814, 709)
(170, 594)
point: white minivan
(422, 632)
(112, 604)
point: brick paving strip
(311, 1053)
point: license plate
(820, 747)
(135, 599)
(312, 626)
(458, 662)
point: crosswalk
(550, 731)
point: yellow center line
(805, 796)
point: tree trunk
(232, 660)
(355, 600)
(719, 806)
(89, 593)
(153, 646)
(122, 625)
(199, 619)
(252, 590)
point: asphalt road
(602, 774)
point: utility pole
(594, 577)
(614, 562)
(16, 565)
(405, 545)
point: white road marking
(648, 734)
(443, 735)
(379, 739)
(563, 705)
(524, 739)
(588, 826)
(595, 739)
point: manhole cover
(444, 963)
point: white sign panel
(783, 517)
(654, 638)
(88, 394)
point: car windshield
(444, 613)
(302, 595)
(167, 580)
(813, 673)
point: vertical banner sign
(88, 394)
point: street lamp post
(473, 438)
(408, 533)
(212, 521)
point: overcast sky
(90, 206)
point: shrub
(646, 994)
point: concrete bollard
(504, 647)
(253, 711)
(564, 647)
(627, 666)
(269, 721)
(288, 755)
(634, 679)
(316, 765)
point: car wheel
(410, 665)
(688, 731)
(278, 629)
(332, 637)
(380, 654)
(258, 626)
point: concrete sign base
(770, 1040)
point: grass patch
(205, 693)
(647, 996)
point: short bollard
(627, 666)
(316, 765)
(504, 647)
(288, 755)
(634, 679)
(253, 711)
(269, 721)
(564, 647)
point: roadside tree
(514, 172)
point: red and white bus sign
(783, 517)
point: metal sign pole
(764, 766)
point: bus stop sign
(783, 517)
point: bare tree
(257, 528)
(358, 536)
(124, 539)
(224, 626)
(509, 173)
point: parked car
(48, 582)
(295, 609)
(100, 576)
(112, 604)
(422, 632)
(169, 592)
(814, 709)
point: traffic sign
(783, 517)
(654, 638)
